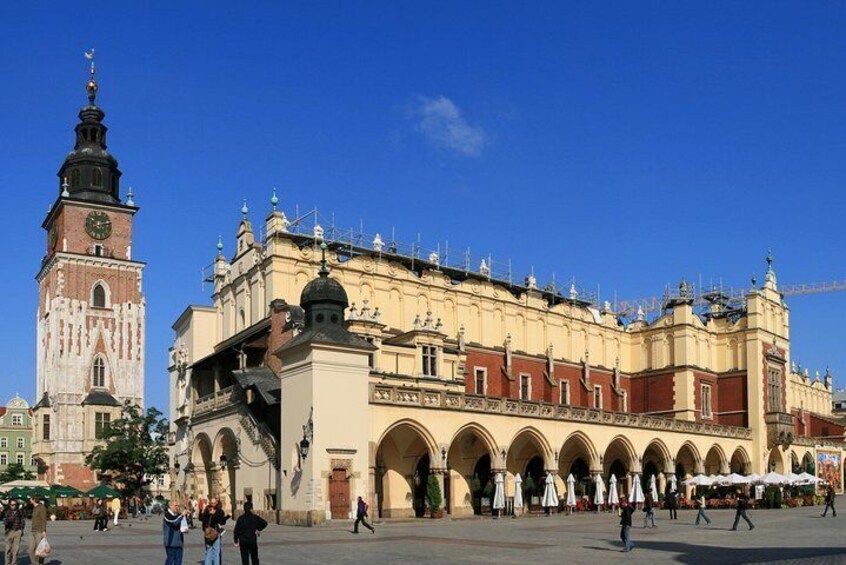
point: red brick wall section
(732, 398)
(71, 226)
(706, 379)
(652, 393)
(75, 475)
(819, 427)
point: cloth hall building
(304, 385)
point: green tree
(433, 494)
(134, 449)
(15, 472)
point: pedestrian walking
(115, 507)
(649, 510)
(246, 534)
(213, 520)
(742, 506)
(361, 516)
(14, 523)
(38, 529)
(195, 511)
(172, 533)
(673, 504)
(829, 502)
(701, 514)
(626, 511)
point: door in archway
(339, 494)
(421, 480)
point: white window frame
(564, 392)
(101, 383)
(17, 420)
(528, 378)
(4, 458)
(429, 360)
(597, 388)
(4, 442)
(20, 443)
(20, 458)
(483, 371)
(706, 408)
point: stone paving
(797, 535)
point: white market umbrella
(809, 479)
(571, 491)
(599, 495)
(673, 484)
(518, 492)
(549, 497)
(793, 478)
(754, 477)
(613, 498)
(653, 488)
(636, 496)
(735, 479)
(499, 493)
(773, 478)
(699, 481)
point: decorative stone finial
(435, 258)
(641, 315)
(244, 209)
(65, 192)
(274, 200)
(129, 197)
(318, 232)
(378, 244)
(574, 294)
(219, 245)
(484, 269)
(531, 281)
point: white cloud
(440, 121)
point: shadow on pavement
(703, 554)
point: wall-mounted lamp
(308, 435)
(223, 461)
(443, 454)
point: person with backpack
(361, 517)
(246, 534)
(213, 520)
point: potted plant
(433, 497)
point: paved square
(787, 536)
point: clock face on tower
(98, 225)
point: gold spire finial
(91, 85)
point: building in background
(91, 310)
(16, 435)
(300, 390)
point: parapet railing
(223, 398)
(459, 401)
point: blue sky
(626, 144)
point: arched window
(99, 298)
(74, 180)
(98, 373)
(96, 177)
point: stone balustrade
(218, 400)
(444, 400)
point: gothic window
(480, 384)
(597, 397)
(625, 407)
(774, 390)
(74, 180)
(430, 360)
(525, 387)
(98, 373)
(564, 392)
(706, 402)
(98, 296)
(101, 424)
(96, 177)
(45, 428)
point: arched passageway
(577, 457)
(225, 459)
(775, 461)
(687, 461)
(740, 463)
(403, 464)
(715, 461)
(621, 461)
(527, 455)
(808, 465)
(201, 467)
(470, 470)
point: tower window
(93, 135)
(430, 360)
(98, 373)
(101, 424)
(98, 294)
(96, 177)
(74, 177)
(45, 428)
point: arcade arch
(404, 458)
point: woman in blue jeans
(213, 520)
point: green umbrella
(102, 491)
(40, 492)
(65, 491)
(19, 492)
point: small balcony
(223, 399)
(780, 429)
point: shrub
(433, 494)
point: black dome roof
(323, 290)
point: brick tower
(90, 323)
